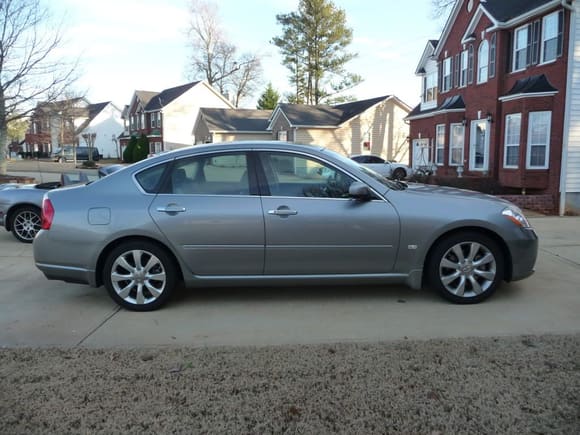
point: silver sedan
(270, 213)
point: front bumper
(524, 252)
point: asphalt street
(38, 312)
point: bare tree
(29, 69)
(441, 8)
(214, 58)
(246, 79)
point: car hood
(450, 193)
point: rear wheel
(26, 223)
(140, 276)
(466, 268)
(399, 174)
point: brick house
(494, 97)
(167, 117)
(56, 124)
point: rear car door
(210, 211)
(313, 227)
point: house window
(142, 120)
(539, 124)
(457, 140)
(439, 144)
(152, 119)
(463, 68)
(520, 48)
(430, 87)
(513, 124)
(447, 74)
(283, 135)
(482, 62)
(552, 36)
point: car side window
(212, 174)
(150, 178)
(375, 159)
(298, 176)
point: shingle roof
(167, 96)
(504, 10)
(532, 85)
(145, 96)
(236, 119)
(324, 115)
(450, 103)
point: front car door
(313, 227)
(210, 211)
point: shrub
(128, 152)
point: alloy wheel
(26, 224)
(138, 277)
(468, 269)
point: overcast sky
(141, 44)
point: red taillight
(47, 214)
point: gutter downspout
(567, 108)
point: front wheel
(466, 268)
(140, 276)
(26, 223)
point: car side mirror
(360, 191)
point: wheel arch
(507, 258)
(115, 243)
(12, 211)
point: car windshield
(395, 185)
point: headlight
(516, 216)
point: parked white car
(386, 168)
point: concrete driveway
(38, 312)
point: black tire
(399, 174)
(140, 291)
(25, 223)
(466, 267)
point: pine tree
(269, 99)
(314, 45)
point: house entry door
(479, 146)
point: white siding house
(570, 176)
(180, 114)
(106, 124)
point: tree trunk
(3, 136)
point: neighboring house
(101, 128)
(53, 125)
(570, 177)
(374, 126)
(494, 96)
(167, 118)
(227, 125)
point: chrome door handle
(171, 209)
(283, 212)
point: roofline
(527, 95)
(430, 114)
(240, 131)
(447, 29)
(425, 57)
(526, 16)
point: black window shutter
(440, 74)
(456, 70)
(535, 36)
(492, 54)
(510, 45)
(470, 64)
(560, 32)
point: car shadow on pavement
(319, 294)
